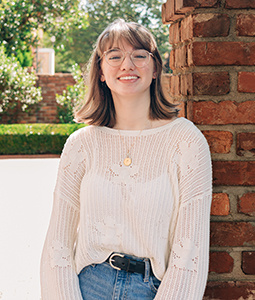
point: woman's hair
(99, 107)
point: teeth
(128, 77)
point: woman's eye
(140, 56)
(115, 57)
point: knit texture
(158, 207)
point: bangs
(132, 33)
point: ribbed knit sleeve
(187, 269)
(59, 280)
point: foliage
(71, 46)
(20, 21)
(146, 12)
(35, 138)
(72, 28)
(72, 97)
(17, 87)
(79, 42)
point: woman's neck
(132, 114)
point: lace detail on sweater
(121, 174)
(105, 230)
(60, 256)
(185, 255)
(189, 162)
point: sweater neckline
(135, 132)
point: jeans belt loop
(147, 270)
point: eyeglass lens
(139, 57)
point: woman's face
(127, 79)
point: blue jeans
(102, 282)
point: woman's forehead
(121, 43)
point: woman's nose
(127, 63)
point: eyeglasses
(139, 57)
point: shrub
(72, 97)
(35, 138)
(17, 87)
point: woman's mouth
(128, 77)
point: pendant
(127, 161)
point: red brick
(246, 144)
(211, 25)
(234, 173)
(187, 29)
(181, 107)
(221, 262)
(181, 57)
(48, 94)
(165, 82)
(190, 55)
(186, 84)
(220, 204)
(246, 204)
(174, 33)
(223, 53)
(248, 262)
(184, 6)
(240, 4)
(172, 60)
(232, 234)
(216, 83)
(219, 141)
(174, 85)
(168, 12)
(246, 82)
(222, 113)
(245, 25)
(229, 290)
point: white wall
(26, 191)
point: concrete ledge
(19, 156)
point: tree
(78, 44)
(18, 92)
(146, 12)
(21, 19)
(73, 46)
(72, 97)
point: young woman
(132, 200)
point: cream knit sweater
(158, 207)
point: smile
(128, 77)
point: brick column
(213, 63)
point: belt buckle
(111, 258)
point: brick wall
(51, 85)
(46, 111)
(213, 63)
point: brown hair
(99, 107)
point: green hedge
(35, 138)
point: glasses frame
(124, 56)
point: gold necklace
(128, 161)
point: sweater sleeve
(187, 270)
(59, 280)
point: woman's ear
(154, 75)
(102, 78)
